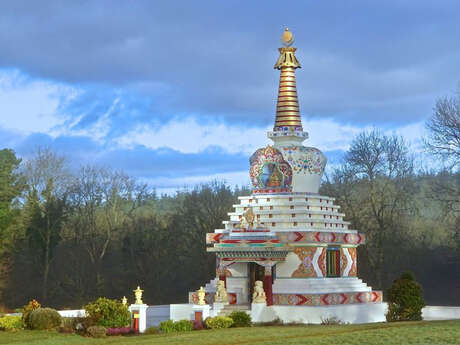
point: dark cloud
(363, 61)
(138, 161)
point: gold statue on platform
(221, 293)
(138, 295)
(259, 294)
(124, 300)
(201, 294)
(249, 217)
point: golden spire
(287, 108)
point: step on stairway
(227, 310)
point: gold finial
(287, 38)
(124, 300)
(138, 294)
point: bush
(240, 319)
(183, 326)
(198, 325)
(167, 326)
(333, 320)
(97, 331)
(44, 318)
(405, 299)
(152, 330)
(11, 323)
(109, 313)
(27, 309)
(218, 322)
(178, 326)
(119, 331)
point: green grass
(432, 333)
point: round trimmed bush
(27, 309)
(240, 319)
(44, 318)
(97, 331)
(405, 299)
(109, 313)
(218, 322)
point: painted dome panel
(305, 160)
(269, 169)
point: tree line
(68, 237)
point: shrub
(240, 319)
(178, 326)
(183, 326)
(97, 331)
(80, 324)
(152, 330)
(198, 325)
(11, 323)
(27, 309)
(44, 318)
(218, 322)
(119, 331)
(328, 321)
(405, 299)
(167, 326)
(109, 313)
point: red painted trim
(268, 282)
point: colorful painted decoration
(269, 169)
(306, 160)
(328, 299)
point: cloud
(362, 62)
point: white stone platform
(319, 285)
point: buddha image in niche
(271, 176)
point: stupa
(287, 235)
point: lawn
(424, 332)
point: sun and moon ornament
(287, 38)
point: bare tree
(374, 185)
(444, 141)
(444, 129)
(103, 201)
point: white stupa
(286, 234)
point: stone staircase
(227, 310)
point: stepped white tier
(285, 234)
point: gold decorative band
(288, 107)
(287, 103)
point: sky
(177, 93)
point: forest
(69, 236)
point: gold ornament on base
(259, 294)
(138, 295)
(201, 293)
(221, 293)
(124, 300)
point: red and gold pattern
(301, 236)
(328, 299)
(322, 262)
(306, 268)
(354, 269)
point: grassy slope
(432, 333)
